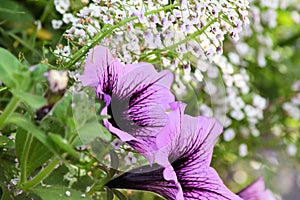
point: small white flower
(237, 103)
(116, 144)
(243, 150)
(203, 66)
(130, 159)
(229, 135)
(226, 121)
(261, 58)
(140, 14)
(68, 17)
(237, 114)
(296, 86)
(292, 110)
(250, 111)
(68, 193)
(80, 33)
(254, 131)
(295, 16)
(120, 14)
(291, 149)
(84, 12)
(296, 100)
(198, 75)
(212, 72)
(206, 110)
(163, 2)
(108, 20)
(210, 88)
(66, 51)
(62, 5)
(239, 80)
(56, 24)
(234, 58)
(38, 23)
(228, 80)
(259, 102)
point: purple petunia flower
(256, 191)
(136, 97)
(183, 161)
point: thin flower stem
(24, 158)
(10, 108)
(99, 186)
(192, 36)
(2, 89)
(41, 175)
(101, 35)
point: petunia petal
(136, 97)
(101, 70)
(148, 178)
(184, 152)
(138, 105)
(204, 183)
(256, 191)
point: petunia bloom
(136, 97)
(256, 191)
(185, 173)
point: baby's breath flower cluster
(292, 107)
(242, 102)
(196, 27)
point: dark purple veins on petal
(148, 178)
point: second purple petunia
(136, 97)
(183, 169)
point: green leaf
(92, 130)
(63, 108)
(57, 177)
(9, 65)
(4, 193)
(32, 100)
(63, 144)
(120, 195)
(38, 72)
(27, 125)
(59, 192)
(85, 116)
(6, 174)
(6, 142)
(110, 194)
(15, 12)
(3, 140)
(31, 153)
(114, 162)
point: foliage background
(30, 148)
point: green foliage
(58, 192)
(30, 152)
(64, 154)
(12, 72)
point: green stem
(191, 36)
(41, 175)
(101, 35)
(185, 40)
(25, 152)
(99, 186)
(10, 108)
(24, 43)
(48, 9)
(2, 89)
